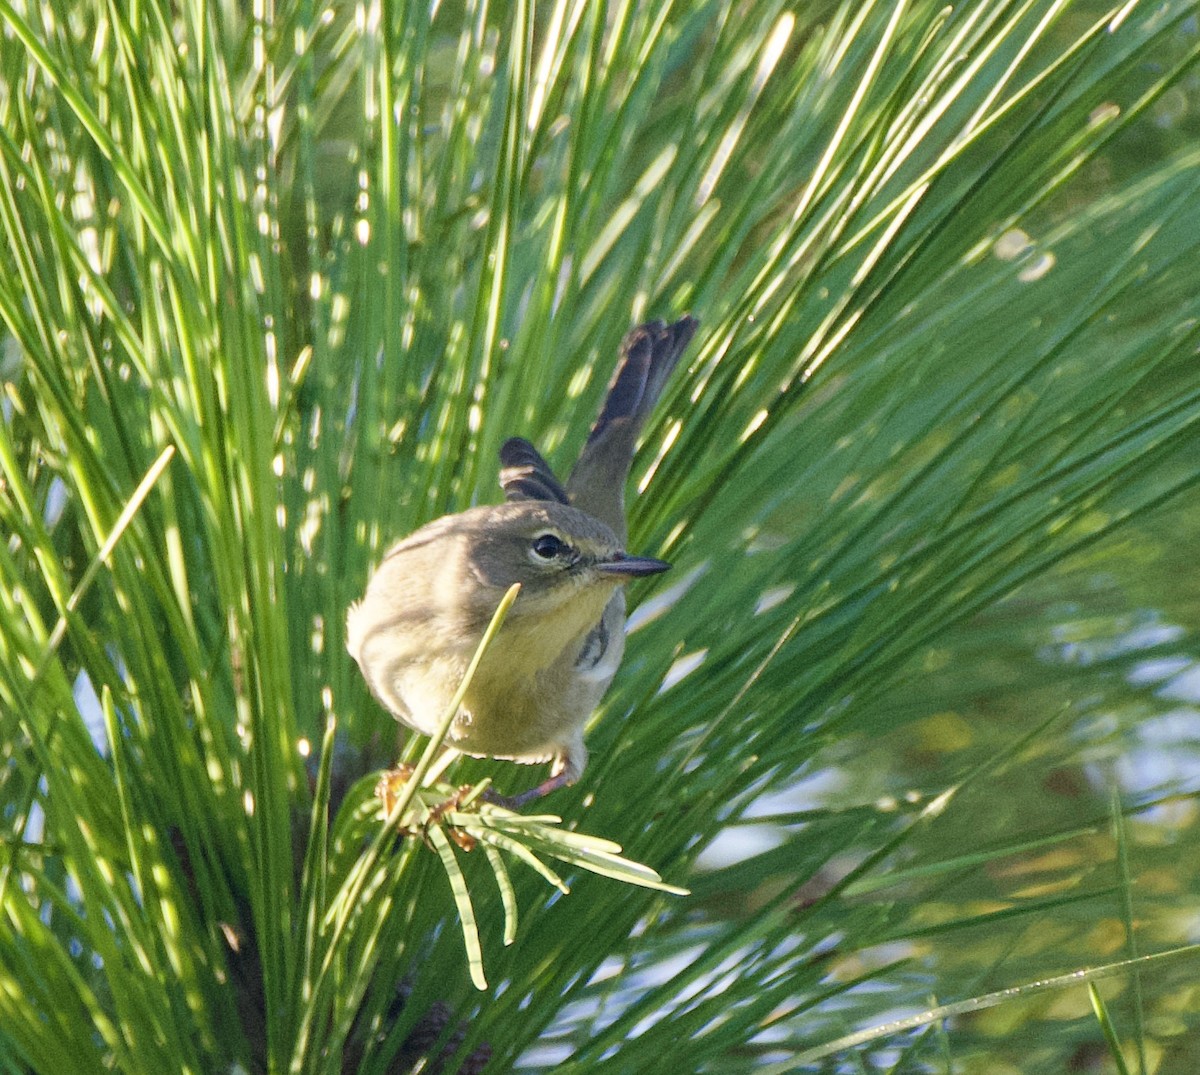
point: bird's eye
(548, 547)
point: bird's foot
(515, 802)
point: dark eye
(548, 547)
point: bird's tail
(648, 355)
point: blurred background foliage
(915, 715)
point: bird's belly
(426, 691)
(515, 708)
(515, 717)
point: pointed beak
(631, 566)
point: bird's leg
(515, 802)
(567, 768)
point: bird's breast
(537, 685)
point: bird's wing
(525, 475)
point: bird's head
(560, 556)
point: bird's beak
(631, 566)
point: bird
(432, 596)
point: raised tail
(648, 355)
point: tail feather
(648, 355)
